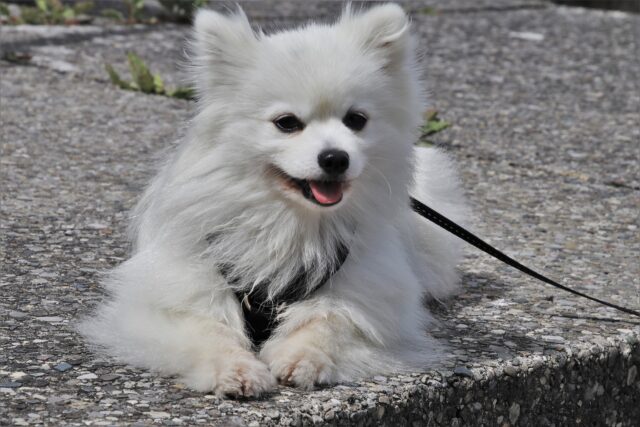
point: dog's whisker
(383, 177)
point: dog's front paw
(245, 376)
(234, 375)
(303, 367)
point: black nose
(333, 162)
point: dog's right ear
(222, 47)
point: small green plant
(134, 12)
(182, 10)
(15, 57)
(50, 12)
(429, 10)
(143, 80)
(433, 124)
(4, 11)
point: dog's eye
(288, 123)
(355, 120)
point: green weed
(49, 12)
(15, 57)
(433, 124)
(429, 10)
(134, 12)
(182, 10)
(143, 80)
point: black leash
(470, 238)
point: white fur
(171, 311)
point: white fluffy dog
(296, 174)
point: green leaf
(433, 123)
(182, 93)
(68, 14)
(158, 84)
(55, 4)
(434, 126)
(115, 77)
(428, 10)
(142, 77)
(113, 14)
(4, 10)
(21, 58)
(83, 7)
(42, 5)
(32, 16)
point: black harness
(260, 312)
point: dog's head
(323, 112)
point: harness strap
(260, 312)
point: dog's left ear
(383, 30)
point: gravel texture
(544, 103)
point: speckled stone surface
(544, 103)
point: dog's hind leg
(436, 252)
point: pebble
(10, 384)
(158, 414)
(17, 376)
(75, 360)
(223, 407)
(273, 414)
(511, 371)
(552, 339)
(631, 375)
(63, 367)
(50, 319)
(514, 412)
(109, 377)
(463, 371)
(88, 376)
(17, 314)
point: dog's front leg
(325, 348)
(173, 316)
(220, 362)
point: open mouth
(323, 192)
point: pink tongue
(326, 193)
